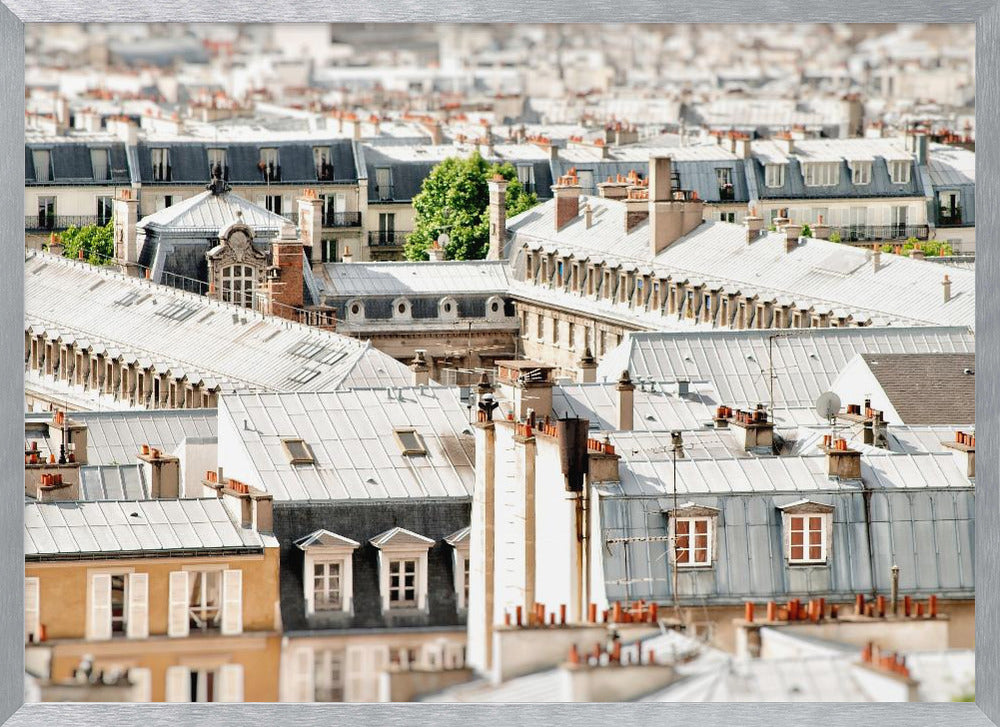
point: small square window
(807, 539)
(410, 442)
(693, 541)
(297, 451)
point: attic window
(774, 175)
(297, 451)
(410, 442)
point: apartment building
(372, 494)
(587, 270)
(762, 505)
(178, 596)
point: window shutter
(31, 609)
(178, 683)
(232, 602)
(142, 678)
(137, 625)
(231, 682)
(178, 623)
(100, 606)
(301, 677)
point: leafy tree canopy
(931, 248)
(97, 243)
(454, 199)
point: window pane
(796, 552)
(815, 523)
(796, 537)
(815, 553)
(815, 537)
(701, 526)
(682, 527)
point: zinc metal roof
(125, 527)
(805, 362)
(209, 213)
(815, 273)
(351, 435)
(203, 337)
(657, 408)
(951, 166)
(457, 277)
(117, 437)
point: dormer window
(774, 175)
(402, 561)
(269, 165)
(327, 572)
(821, 174)
(217, 164)
(322, 161)
(807, 527)
(100, 164)
(692, 533)
(861, 172)
(899, 172)
(160, 159)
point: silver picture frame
(15, 13)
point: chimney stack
(588, 367)
(125, 216)
(877, 258)
(498, 216)
(754, 225)
(421, 371)
(347, 257)
(588, 215)
(311, 223)
(965, 450)
(821, 230)
(162, 471)
(285, 296)
(567, 194)
(842, 462)
(626, 402)
(946, 285)
(614, 188)
(792, 232)
(917, 254)
(758, 431)
(673, 213)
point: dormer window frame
(325, 549)
(806, 521)
(774, 175)
(697, 522)
(394, 559)
(861, 172)
(461, 572)
(821, 174)
(900, 170)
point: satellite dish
(828, 405)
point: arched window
(238, 283)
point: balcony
(387, 238)
(331, 219)
(950, 217)
(873, 233)
(48, 223)
(726, 193)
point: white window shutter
(142, 680)
(231, 683)
(137, 625)
(31, 609)
(301, 677)
(178, 623)
(100, 606)
(178, 684)
(232, 602)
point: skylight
(410, 442)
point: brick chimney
(636, 207)
(964, 447)
(567, 196)
(753, 430)
(162, 471)
(498, 216)
(285, 276)
(421, 371)
(527, 385)
(254, 507)
(792, 232)
(311, 223)
(917, 254)
(125, 215)
(626, 402)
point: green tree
(97, 243)
(454, 198)
(807, 231)
(931, 248)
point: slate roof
(351, 435)
(140, 528)
(928, 388)
(361, 521)
(736, 362)
(72, 165)
(392, 279)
